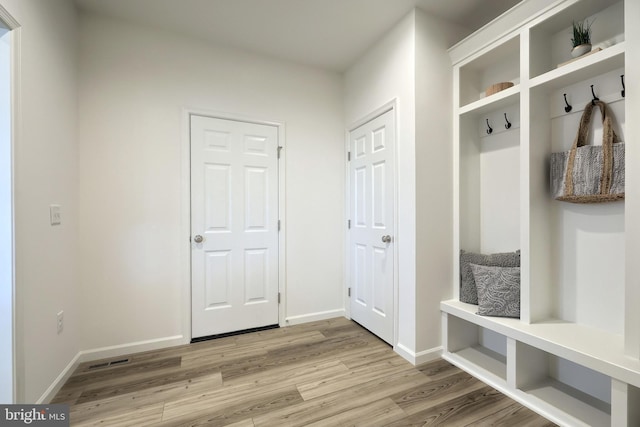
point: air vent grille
(111, 363)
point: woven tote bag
(590, 173)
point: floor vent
(111, 363)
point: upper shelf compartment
(550, 39)
(500, 63)
(491, 103)
(585, 68)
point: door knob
(198, 238)
(386, 239)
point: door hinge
(279, 150)
(278, 297)
(279, 225)
(349, 224)
(348, 156)
(349, 292)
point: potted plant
(581, 40)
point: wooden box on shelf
(497, 87)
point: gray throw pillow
(498, 290)
(468, 291)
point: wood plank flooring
(329, 373)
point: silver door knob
(198, 238)
(386, 239)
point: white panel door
(234, 224)
(371, 170)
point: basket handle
(609, 138)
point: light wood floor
(329, 373)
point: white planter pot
(580, 50)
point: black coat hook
(623, 88)
(595, 98)
(568, 107)
(489, 128)
(508, 124)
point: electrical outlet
(60, 321)
(55, 215)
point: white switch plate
(55, 215)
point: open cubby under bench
(528, 362)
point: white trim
(420, 357)
(501, 28)
(185, 222)
(346, 299)
(57, 384)
(9, 20)
(428, 355)
(17, 361)
(391, 105)
(314, 317)
(282, 235)
(396, 225)
(388, 106)
(16, 133)
(230, 116)
(406, 353)
(131, 348)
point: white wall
(134, 84)
(384, 73)
(434, 179)
(45, 173)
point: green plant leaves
(581, 33)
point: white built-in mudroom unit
(573, 356)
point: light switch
(55, 215)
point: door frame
(385, 108)
(185, 214)
(17, 342)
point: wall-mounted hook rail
(508, 124)
(623, 88)
(489, 128)
(567, 107)
(595, 98)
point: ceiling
(329, 34)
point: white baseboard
(57, 384)
(314, 317)
(420, 357)
(129, 348)
(428, 355)
(106, 352)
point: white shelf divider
(482, 359)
